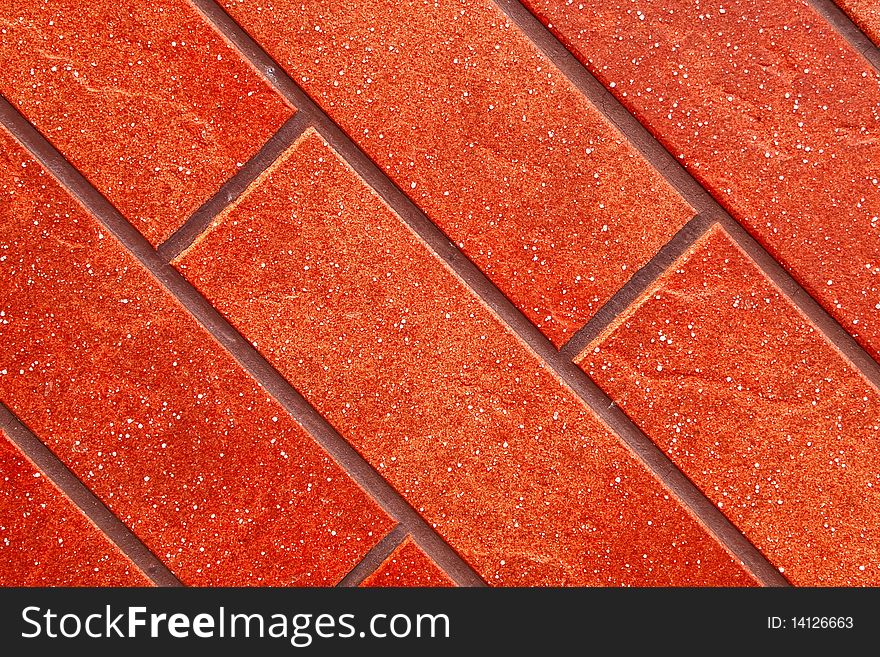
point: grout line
(651, 455)
(668, 473)
(259, 59)
(687, 185)
(847, 28)
(238, 347)
(85, 500)
(374, 558)
(276, 385)
(605, 102)
(201, 219)
(838, 336)
(705, 205)
(635, 286)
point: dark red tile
(45, 540)
(866, 14)
(752, 403)
(482, 132)
(153, 106)
(772, 110)
(408, 566)
(150, 412)
(497, 454)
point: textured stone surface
(45, 540)
(148, 101)
(151, 414)
(772, 110)
(764, 103)
(408, 566)
(866, 14)
(493, 142)
(501, 458)
(755, 406)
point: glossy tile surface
(428, 385)
(746, 396)
(45, 540)
(144, 98)
(772, 110)
(486, 136)
(151, 414)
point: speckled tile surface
(408, 566)
(144, 98)
(45, 540)
(774, 112)
(866, 13)
(470, 292)
(784, 442)
(150, 413)
(449, 406)
(487, 137)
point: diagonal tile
(408, 566)
(866, 14)
(487, 137)
(45, 540)
(152, 415)
(482, 439)
(150, 103)
(772, 110)
(748, 398)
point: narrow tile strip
(845, 27)
(86, 501)
(688, 186)
(641, 281)
(184, 236)
(662, 467)
(240, 349)
(374, 558)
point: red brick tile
(408, 566)
(753, 405)
(147, 100)
(151, 414)
(866, 14)
(767, 105)
(512, 469)
(45, 540)
(487, 137)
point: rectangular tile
(772, 110)
(516, 473)
(154, 107)
(151, 414)
(408, 566)
(751, 402)
(487, 137)
(45, 540)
